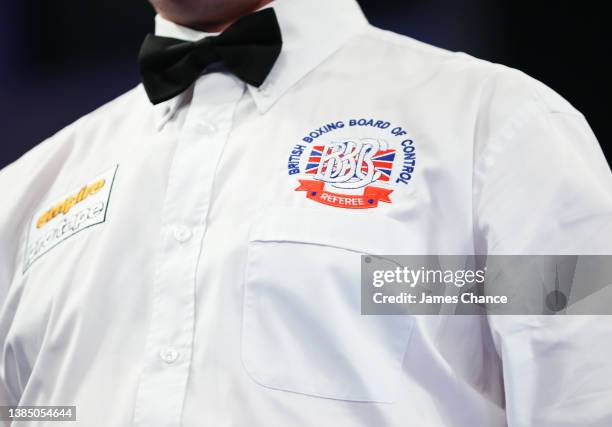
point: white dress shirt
(192, 263)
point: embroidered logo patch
(338, 169)
(77, 210)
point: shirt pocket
(302, 325)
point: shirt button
(182, 233)
(207, 127)
(264, 91)
(169, 355)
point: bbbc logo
(353, 173)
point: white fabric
(202, 289)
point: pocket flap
(356, 231)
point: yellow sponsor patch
(67, 204)
(77, 210)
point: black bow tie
(248, 48)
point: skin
(206, 15)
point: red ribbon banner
(370, 198)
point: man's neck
(221, 24)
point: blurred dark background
(61, 59)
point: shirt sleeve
(542, 186)
(4, 285)
(4, 274)
(10, 218)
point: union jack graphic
(382, 161)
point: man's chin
(205, 15)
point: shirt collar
(312, 30)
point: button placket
(189, 189)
